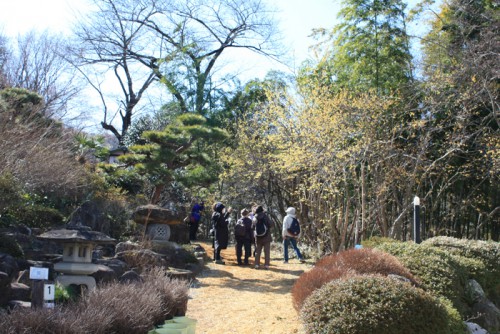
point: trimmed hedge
(487, 253)
(440, 273)
(345, 264)
(377, 305)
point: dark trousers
(193, 230)
(247, 245)
(217, 251)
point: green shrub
(487, 252)
(375, 241)
(37, 216)
(346, 264)
(64, 294)
(9, 245)
(438, 271)
(10, 193)
(376, 305)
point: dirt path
(239, 299)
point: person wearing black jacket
(220, 222)
(262, 241)
(245, 239)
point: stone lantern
(161, 225)
(78, 244)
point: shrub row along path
(240, 299)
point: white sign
(39, 273)
(49, 291)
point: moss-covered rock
(377, 305)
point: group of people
(255, 228)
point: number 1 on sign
(49, 291)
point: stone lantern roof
(79, 234)
(152, 214)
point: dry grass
(113, 308)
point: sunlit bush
(487, 252)
(346, 264)
(377, 305)
(438, 271)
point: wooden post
(37, 294)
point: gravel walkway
(239, 299)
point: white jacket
(287, 222)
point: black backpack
(294, 228)
(239, 229)
(261, 227)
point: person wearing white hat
(290, 233)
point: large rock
(152, 214)
(4, 289)
(20, 291)
(8, 265)
(474, 292)
(88, 214)
(104, 274)
(130, 277)
(488, 315)
(473, 328)
(118, 266)
(142, 259)
(125, 246)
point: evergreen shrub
(376, 240)
(487, 273)
(438, 271)
(38, 216)
(346, 264)
(9, 245)
(377, 305)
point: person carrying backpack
(244, 236)
(195, 218)
(263, 237)
(291, 232)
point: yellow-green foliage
(482, 260)
(375, 241)
(440, 273)
(377, 305)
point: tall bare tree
(37, 64)
(178, 43)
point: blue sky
(297, 18)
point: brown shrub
(367, 261)
(344, 265)
(40, 321)
(173, 292)
(135, 307)
(113, 308)
(314, 279)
